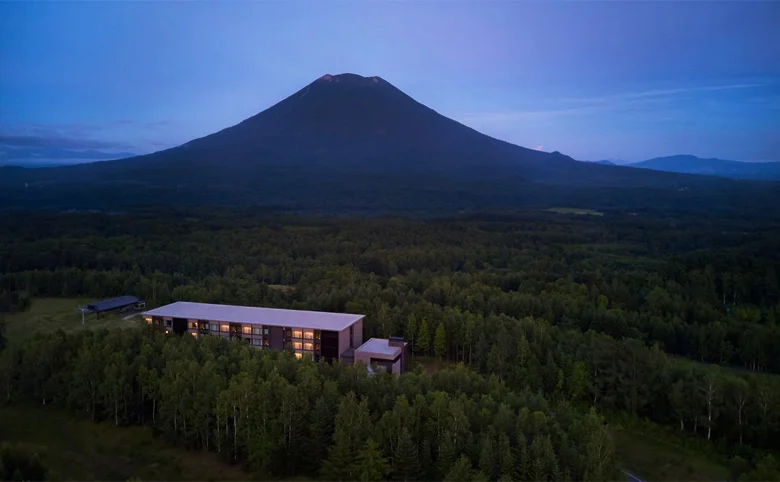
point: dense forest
(282, 417)
(668, 318)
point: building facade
(329, 336)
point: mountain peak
(349, 78)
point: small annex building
(385, 354)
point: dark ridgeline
(760, 171)
(347, 143)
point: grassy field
(651, 459)
(49, 314)
(79, 449)
(575, 211)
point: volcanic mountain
(347, 143)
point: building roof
(112, 303)
(379, 348)
(318, 320)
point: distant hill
(763, 171)
(47, 157)
(605, 163)
(352, 144)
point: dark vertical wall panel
(276, 333)
(330, 344)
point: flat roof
(380, 347)
(255, 315)
(112, 303)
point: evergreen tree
(542, 458)
(506, 461)
(406, 462)
(487, 457)
(371, 465)
(460, 471)
(428, 468)
(340, 464)
(522, 461)
(448, 452)
(423, 341)
(411, 330)
(440, 342)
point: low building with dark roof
(112, 304)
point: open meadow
(50, 314)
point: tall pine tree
(423, 341)
(440, 342)
(371, 465)
(406, 461)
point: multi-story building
(329, 336)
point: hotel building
(329, 336)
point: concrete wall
(363, 357)
(357, 334)
(343, 341)
(398, 366)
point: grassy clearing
(430, 364)
(651, 459)
(283, 288)
(575, 211)
(78, 449)
(49, 314)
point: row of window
(226, 328)
(307, 345)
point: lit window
(247, 330)
(194, 334)
(308, 346)
(299, 355)
(297, 334)
(225, 327)
(148, 320)
(308, 335)
(256, 330)
(297, 345)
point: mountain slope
(763, 171)
(347, 143)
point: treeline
(282, 417)
(628, 277)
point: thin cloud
(626, 102)
(44, 142)
(658, 93)
(540, 147)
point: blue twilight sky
(595, 80)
